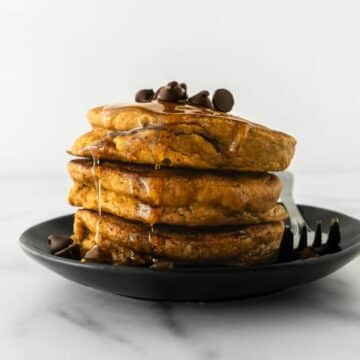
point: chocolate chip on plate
(201, 99)
(70, 252)
(144, 95)
(223, 100)
(95, 254)
(58, 242)
(307, 252)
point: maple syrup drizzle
(97, 183)
(235, 145)
(98, 199)
(158, 147)
(165, 108)
(168, 116)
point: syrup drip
(96, 163)
(97, 183)
(145, 184)
(158, 147)
(239, 137)
(150, 232)
(113, 133)
(136, 182)
(98, 146)
(144, 210)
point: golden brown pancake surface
(168, 134)
(177, 197)
(251, 192)
(241, 244)
(193, 215)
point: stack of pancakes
(163, 183)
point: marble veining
(43, 316)
(86, 321)
(167, 313)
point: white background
(292, 65)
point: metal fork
(299, 236)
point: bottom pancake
(109, 238)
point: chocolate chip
(166, 162)
(167, 94)
(223, 100)
(322, 250)
(70, 252)
(162, 264)
(171, 92)
(157, 92)
(201, 99)
(184, 86)
(58, 242)
(326, 249)
(144, 95)
(95, 254)
(307, 252)
(173, 84)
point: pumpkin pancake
(118, 240)
(179, 135)
(181, 187)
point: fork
(299, 238)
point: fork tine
(318, 235)
(286, 246)
(303, 239)
(334, 237)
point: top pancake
(169, 134)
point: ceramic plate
(198, 284)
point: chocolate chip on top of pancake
(222, 99)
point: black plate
(203, 284)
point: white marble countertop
(43, 316)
